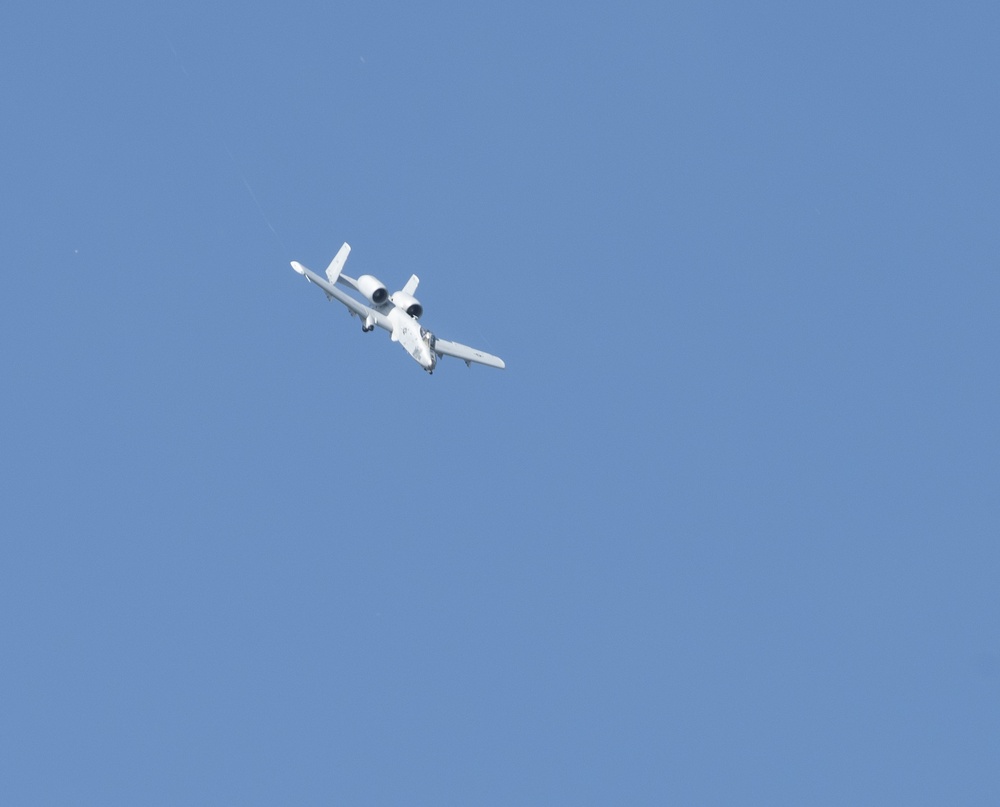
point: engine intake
(410, 304)
(373, 289)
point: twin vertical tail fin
(337, 264)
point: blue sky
(725, 530)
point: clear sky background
(725, 531)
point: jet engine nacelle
(409, 303)
(373, 289)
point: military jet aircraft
(398, 313)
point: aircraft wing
(334, 293)
(445, 348)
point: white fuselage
(416, 340)
(397, 313)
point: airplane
(398, 313)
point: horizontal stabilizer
(337, 264)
